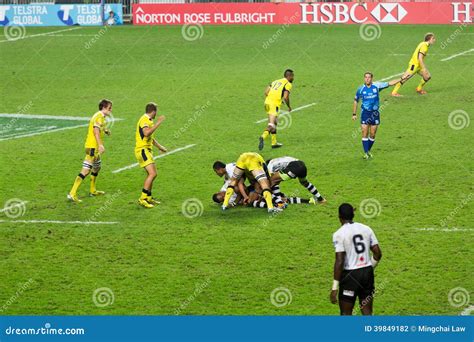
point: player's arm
(267, 90)
(354, 108)
(242, 190)
(159, 146)
(421, 60)
(338, 267)
(376, 255)
(147, 131)
(286, 98)
(98, 139)
(275, 179)
(395, 81)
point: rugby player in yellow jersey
(254, 164)
(417, 65)
(145, 140)
(274, 94)
(94, 148)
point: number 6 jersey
(355, 239)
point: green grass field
(211, 90)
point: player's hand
(354, 117)
(223, 208)
(101, 149)
(160, 119)
(163, 149)
(333, 296)
(108, 132)
(246, 200)
(289, 109)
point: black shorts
(296, 169)
(357, 283)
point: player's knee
(152, 174)
(271, 128)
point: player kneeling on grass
(417, 65)
(354, 267)
(285, 168)
(370, 116)
(145, 140)
(94, 148)
(253, 164)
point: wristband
(354, 114)
(335, 285)
(374, 262)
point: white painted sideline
(285, 112)
(40, 116)
(19, 204)
(467, 311)
(57, 222)
(456, 55)
(154, 158)
(37, 116)
(445, 230)
(39, 34)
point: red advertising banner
(303, 13)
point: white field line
(57, 222)
(39, 34)
(285, 112)
(154, 158)
(390, 77)
(34, 116)
(467, 311)
(456, 55)
(444, 230)
(71, 35)
(42, 132)
(19, 204)
(39, 116)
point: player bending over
(284, 168)
(274, 94)
(253, 164)
(94, 148)
(370, 116)
(417, 65)
(144, 141)
(354, 267)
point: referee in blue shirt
(370, 116)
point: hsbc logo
(358, 13)
(389, 12)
